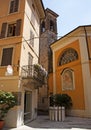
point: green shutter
(18, 27)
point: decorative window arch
(68, 56)
(67, 77)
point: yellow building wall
(77, 94)
(16, 55)
(10, 83)
(5, 8)
(4, 12)
(50, 83)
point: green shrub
(7, 101)
(61, 100)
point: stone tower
(48, 34)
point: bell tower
(48, 34)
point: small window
(51, 25)
(14, 6)
(7, 56)
(11, 30)
(31, 39)
(30, 59)
(43, 26)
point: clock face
(9, 69)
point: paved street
(43, 123)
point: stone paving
(43, 123)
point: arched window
(67, 77)
(51, 25)
(68, 56)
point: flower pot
(1, 124)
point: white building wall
(86, 75)
(31, 23)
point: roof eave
(68, 34)
(40, 7)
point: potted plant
(7, 101)
(63, 100)
(60, 102)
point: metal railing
(29, 71)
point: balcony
(33, 76)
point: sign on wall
(9, 70)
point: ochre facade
(19, 50)
(79, 66)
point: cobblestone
(43, 123)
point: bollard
(59, 114)
(56, 113)
(52, 113)
(63, 113)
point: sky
(72, 13)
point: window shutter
(9, 29)
(7, 56)
(3, 30)
(11, 7)
(18, 27)
(16, 5)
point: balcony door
(27, 106)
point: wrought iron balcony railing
(28, 71)
(35, 72)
